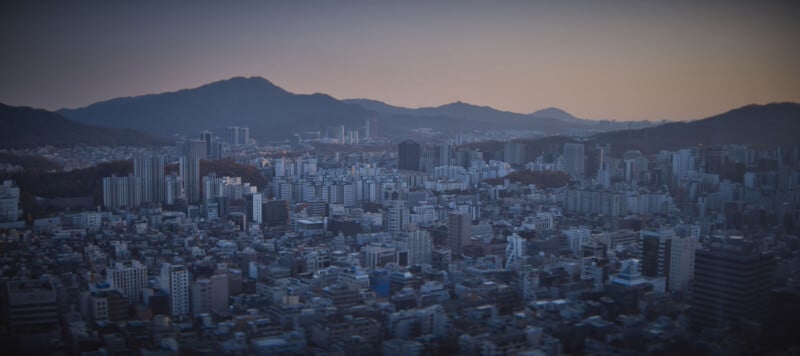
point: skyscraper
(190, 172)
(459, 231)
(732, 280)
(150, 171)
(175, 280)
(574, 159)
(408, 156)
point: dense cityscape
(423, 248)
(399, 178)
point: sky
(622, 60)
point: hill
(758, 125)
(25, 127)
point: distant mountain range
(25, 127)
(468, 111)
(274, 113)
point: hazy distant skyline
(624, 60)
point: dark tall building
(514, 153)
(276, 213)
(190, 172)
(574, 160)
(459, 232)
(732, 281)
(150, 171)
(408, 156)
(208, 138)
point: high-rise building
(514, 153)
(655, 247)
(211, 146)
(257, 208)
(233, 135)
(190, 173)
(175, 280)
(408, 156)
(669, 252)
(129, 279)
(574, 159)
(172, 188)
(397, 216)
(368, 130)
(201, 296)
(732, 281)
(420, 247)
(444, 155)
(121, 192)
(244, 135)
(238, 135)
(150, 171)
(684, 162)
(459, 231)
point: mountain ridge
(272, 112)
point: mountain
(554, 113)
(268, 110)
(25, 127)
(758, 125)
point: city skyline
(607, 60)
